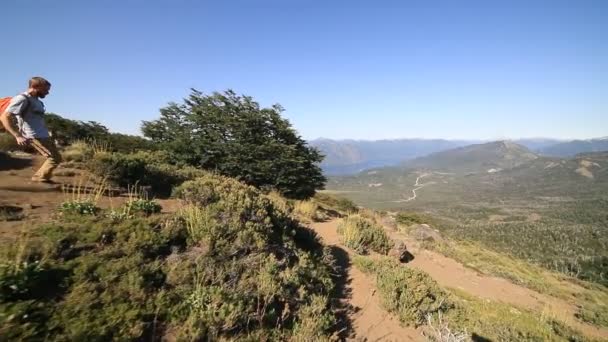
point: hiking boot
(42, 180)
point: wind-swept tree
(233, 135)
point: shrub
(11, 213)
(228, 219)
(362, 234)
(409, 218)
(79, 151)
(78, 208)
(235, 268)
(308, 210)
(7, 142)
(144, 206)
(497, 321)
(410, 294)
(340, 204)
(141, 168)
(19, 279)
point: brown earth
(38, 202)
(370, 322)
(449, 274)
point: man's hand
(21, 141)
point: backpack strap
(27, 105)
(24, 110)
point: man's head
(39, 87)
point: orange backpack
(4, 102)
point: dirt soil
(37, 202)
(371, 321)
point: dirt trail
(452, 274)
(370, 322)
(38, 202)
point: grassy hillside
(230, 264)
(549, 211)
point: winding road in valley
(417, 186)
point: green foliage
(11, 213)
(7, 142)
(78, 207)
(548, 241)
(234, 268)
(340, 204)
(308, 210)
(19, 279)
(591, 298)
(144, 206)
(594, 314)
(234, 136)
(78, 151)
(362, 235)
(496, 321)
(68, 131)
(407, 218)
(406, 292)
(143, 169)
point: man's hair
(36, 82)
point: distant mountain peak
(502, 154)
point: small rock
(424, 233)
(400, 252)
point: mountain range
(495, 171)
(344, 157)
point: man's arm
(17, 105)
(9, 125)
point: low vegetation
(417, 299)
(343, 205)
(495, 321)
(363, 235)
(410, 294)
(11, 213)
(229, 266)
(591, 298)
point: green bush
(10, 213)
(78, 207)
(144, 206)
(19, 279)
(340, 204)
(235, 268)
(409, 218)
(7, 142)
(362, 235)
(410, 294)
(68, 132)
(141, 168)
(79, 151)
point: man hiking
(31, 129)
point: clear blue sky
(342, 69)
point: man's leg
(46, 147)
